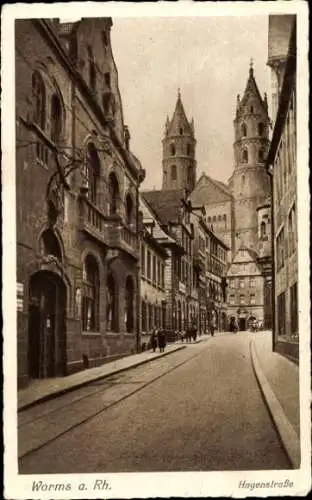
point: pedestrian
(153, 339)
(213, 325)
(161, 340)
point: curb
(287, 433)
(65, 390)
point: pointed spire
(251, 71)
(179, 124)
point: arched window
(214, 218)
(244, 130)
(174, 173)
(129, 305)
(90, 298)
(243, 182)
(56, 118)
(262, 230)
(49, 244)
(111, 304)
(209, 219)
(129, 209)
(188, 150)
(181, 131)
(261, 155)
(251, 109)
(245, 156)
(172, 149)
(113, 194)
(92, 172)
(260, 128)
(39, 95)
(220, 217)
(92, 70)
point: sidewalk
(278, 378)
(44, 389)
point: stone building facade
(282, 166)
(77, 201)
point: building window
(92, 172)
(113, 188)
(188, 150)
(92, 70)
(245, 156)
(181, 131)
(260, 128)
(174, 173)
(242, 283)
(280, 249)
(209, 219)
(263, 230)
(104, 38)
(190, 174)
(252, 299)
(281, 316)
(143, 312)
(292, 230)
(90, 299)
(149, 262)
(56, 118)
(214, 218)
(242, 299)
(143, 259)
(107, 79)
(39, 95)
(172, 149)
(154, 270)
(232, 300)
(294, 309)
(244, 130)
(251, 109)
(252, 282)
(261, 155)
(129, 209)
(129, 305)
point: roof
(165, 203)
(205, 191)
(179, 120)
(251, 88)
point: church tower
(249, 182)
(179, 164)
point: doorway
(46, 326)
(242, 324)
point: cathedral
(238, 212)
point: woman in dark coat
(161, 340)
(153, 340)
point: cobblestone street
(198, 409)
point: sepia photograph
(156, 250)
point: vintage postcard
(156, 297)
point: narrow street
(197, 409)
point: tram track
(38, 432)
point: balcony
(109, 230)
(122, 237)
(92, 221)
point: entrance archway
(46, 326)
(242, 324)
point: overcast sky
(208, 58)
